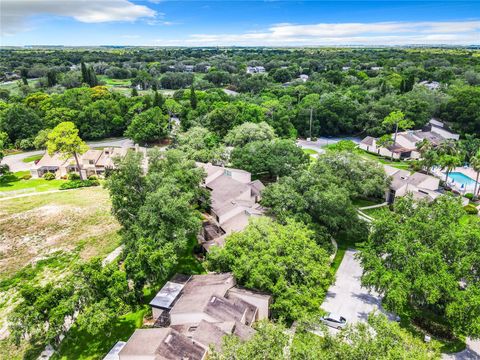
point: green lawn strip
(32, 158)
(399, 164)
(343, 244)
(358, 203)
(375, 212)
(310, 151)
(14, 182)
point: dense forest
(347, 92)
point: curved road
(15, 161)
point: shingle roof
(368, 140)
(199, 290)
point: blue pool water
(460, 178)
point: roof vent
(168, 339)
(212, 300)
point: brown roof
(208, 334)
(230, 309)
(368, 140)
(198, 291)
(161, 344)
(225, 189)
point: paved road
(347, 297)
(472, 352)
(323, 141)
(15, 162)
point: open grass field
(14, 88)
(14, 184)
(44, 236)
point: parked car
(334, 320)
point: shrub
(49, 176)
(75, 184)
(93, 177)
(27, 177)
(73, 176)
(471, 209)
(469, 196)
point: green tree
(475, 164)
(272, 158)
(20, 122)
(64, 139)
(396, 119)
(283, 260)
(423, 259)
(200, 144)
(268, 343)
(249, 132)
(378, 339)
(193, 98)
(448, 163)
(148, 126)
(126, 185)
(386, 141)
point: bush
(27, 177)
(471, 209)
(49, 176)
(75, 184)
(469, 196)
(93, 177)
(73, 176)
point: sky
(238, 23)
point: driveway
(15, 162)
(472, 352)
(347, 297)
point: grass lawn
(32, 158)
(375, 212)
(343, 244)
(115, 82)
(81, 345)
(12, 184)
(44, 237)
(399, 164)
(358, 203)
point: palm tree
(423, 146)
(448, 147)
(429, 159)
(449, 162)
(475, 164)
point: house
(430, 85)
(189, 68)
(420, 186)
(234, 199)
(345, 68)
(92, 162)
(303, 77)
(193, 313)
(405, 146)
(255, 70)
(160, 344)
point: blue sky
(242, 23)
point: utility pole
(311, 115)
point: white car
(334, 321)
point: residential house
(430, 85)
(405, 146)
(420, 186)
(255, 70)
(234, 199)
(303, 77)
(92, 162)
(193, 313)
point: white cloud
(14, 13)
(379, 33)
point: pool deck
(465, 171)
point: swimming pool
(460, 178)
